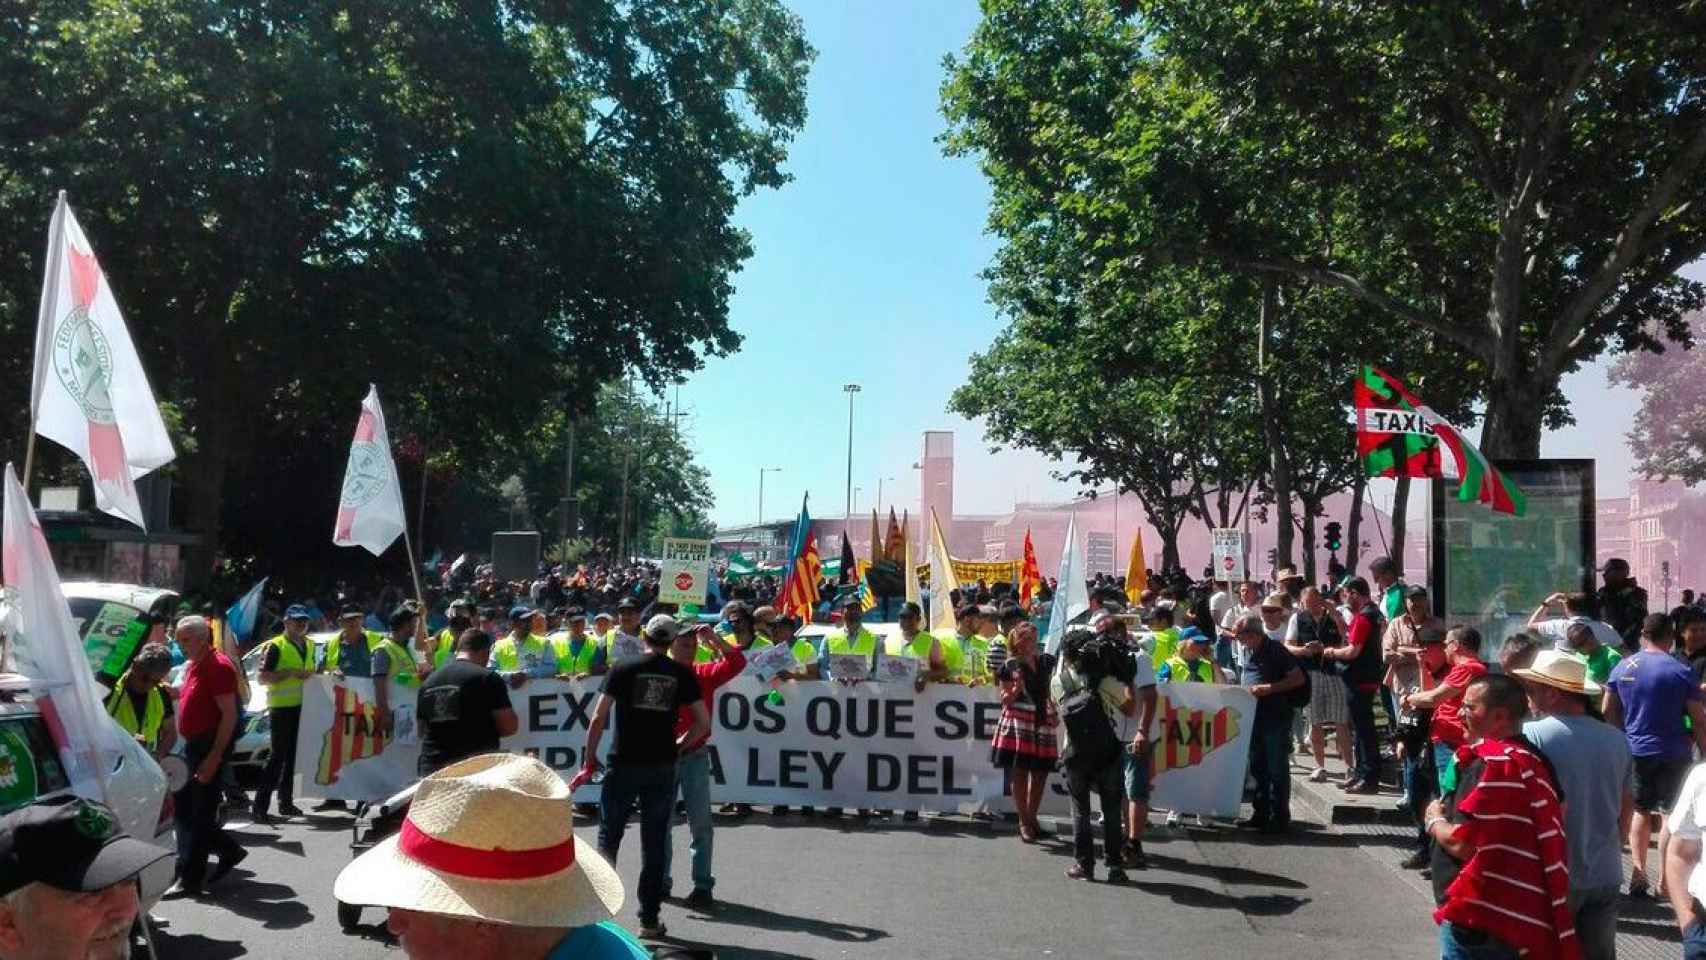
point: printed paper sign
(1229, 554)
(894, 669)
(685, 572)
(849, 666)
(770, 661)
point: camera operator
(1093, 686)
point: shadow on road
(1647, 919)
(1232, 876)
(275, 905)
(678, 949)
(1259, 905)
(745, 916)
(198, 946)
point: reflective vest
(919, 648)
(570, 660)
(446, 648)
(967, 658)
(1179, 670)
(1166, 645)
(864, 642)
(706, 655)
(400, 661)
(287, 693)
(508, 657)
(120, 707)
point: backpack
(1091, 741)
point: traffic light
(1333, 541)
(1273, 556)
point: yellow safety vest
(446, 648)
(507, 657)
(287, 693)
(965, 657)
(570, 660)
(153, 714)
(919, 648)
(704, 654)
(401, 662)
(864, 642)
(1179, 670)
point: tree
(476, 207)
(1513, 181)
(1668, 435)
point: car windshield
(111, 632)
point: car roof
(140, 597)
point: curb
(1329, 803)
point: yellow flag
(912, 589)
(1136, 580)
(876, 541)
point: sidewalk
(1645, 929)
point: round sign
(684, 581)
(17, 770)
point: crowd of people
(1528, 770)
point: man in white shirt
(1576, 607)
(1224, 650)
(1685, 875)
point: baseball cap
(403, 614)
(601, 615)
(852, 602)
(71, 844)
(1615, 563)
(576, 613)
(351, 610)
(665, 625)
(1193, 635)
(296, 611)
(520, 611)
(628, 603)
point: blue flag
(240, 619)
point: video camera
(1096, 656)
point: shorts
(1136, 775)
(1658, 780)
(1328, 699)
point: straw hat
(1562, 670)
(488, 838)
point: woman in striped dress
(1025, 734)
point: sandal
(1027, 834)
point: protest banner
(766, 662)
(1229, 555)
(685, 572)
(823, 744)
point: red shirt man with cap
(68, 881)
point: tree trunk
(1353, 541)
(1169, 544)
(1279, 460)
(1309, 512)
(1513, 422)
(1400, 515)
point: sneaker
(1416, 861)
(1352, 784)
(1319, 776)
(1364, 787)
(225, 865)
(289, 810)
(654, 930)
(1173, 821)
(180, 890)
(1080, 872)
(1117, 875)
(701, 898)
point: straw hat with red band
(488, 838)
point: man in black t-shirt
(647, 694)
(464, 707)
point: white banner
(1229, 554)
(685, 572)
(825, 744)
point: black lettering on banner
(953, 725)
(882, 773)
(948, 788)
(792, 770)
(920, 774)
(752, 777)
(542, 712)
(560, 758)
(897, 719)
(827, 763)
(869, 708)
(717, 776)
(767, 719)
(580, 710)
(816, 723)
(733, 711)
(987, 714)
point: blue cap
(520, 611)
(1193, 635)
(296, 611)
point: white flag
(45, 646)
(942, 579)
(370, 511)
(1072, 595)
(88, 392)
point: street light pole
(851, 390)
(880, 481)
(761, 472)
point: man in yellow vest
(964, 652)
(522, 653)
(852, 638)
(918, 644)
(743, 632)
(286, 661)
(578, 653)
(603, 624)
(358, 652)
(140, 704)
(461, 617)
(1192, 662)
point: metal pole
(761, 472)
(847, 514)
(420, 513)
(568, 521)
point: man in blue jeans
(647, 695)
(1361, 666)
(1270, 673)
(693, 768)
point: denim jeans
(1270, 765)
(1442, 760)
(1419, 785)
(280, 775)
(1694, 940)
(1595, 911)
(693, 774)
(195, 812)
(1105, 781)
(1461, 943)
(1366, 738)
(652, 786)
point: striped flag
(799, 596)
(1030, 575)
(354, 735)
(1189, 735)
(370, 509)
(1400, 436)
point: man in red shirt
(1362, 669)
(207, 721)
(693, 767)
(1463, 653)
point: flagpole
(50, 271)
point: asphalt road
(805, 888)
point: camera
(1096, 656)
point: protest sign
(902, 670)
(1229, 554)
(685, 572)
(849, 666)
(769, 661)
(821, 744)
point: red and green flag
(1400, 436)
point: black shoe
(1117, 875)
(701, 898)
(655, 930)
(325, 805)
(1254, 823)
(225, 865)
(289, 810)
(778, 811)
(1416, 861)
(1275, 828)
(260, 817)
(180, 891)
(1135, 858)
(1078, 871)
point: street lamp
(880, 482)
(761, 472)
(856, 492)
(851, 390)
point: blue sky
(865, 271)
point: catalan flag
(1030, 575)
(799, 595)
(1189, 735)
(867, 596)
(355, 735)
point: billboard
(1491, 570)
